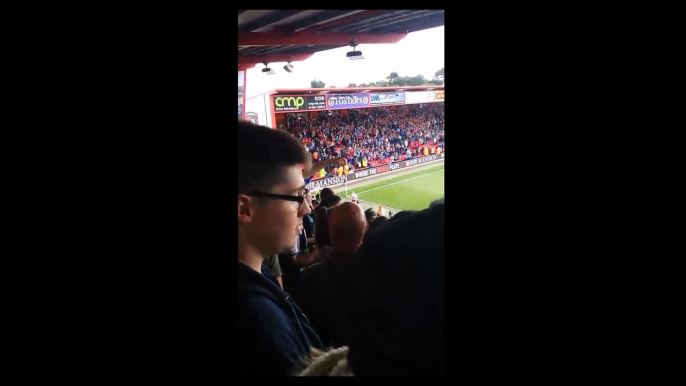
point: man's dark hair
(262, 155)
(436, 202)
(322, 237)
(326, 192)
(330, 201)
(377, 222)
(370, 214)
(402, 214)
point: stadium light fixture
(354, 55)
(288, 67)
(267, 70)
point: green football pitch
(412, 191)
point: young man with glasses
(302, 253)
(273, 334)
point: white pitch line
(374, 204)
(398, 182)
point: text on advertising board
(387, 98)
(365, 173)
(440, 95)
(419, 96)
(344, 101)
(291, 103)
(421, 160)
(319, 184)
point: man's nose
(304, 209)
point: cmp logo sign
(288, 103)
(299, 103)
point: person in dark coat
(273, 333)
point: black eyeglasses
(298, 199)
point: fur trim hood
(330, 363)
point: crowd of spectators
(369, 137)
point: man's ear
(244, 209)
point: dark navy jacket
(321, 292)
(273, 334)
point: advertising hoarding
(285, 103)
(387, 98)
(346, 101)
(419, 97)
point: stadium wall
(258, 109)
(371, 173)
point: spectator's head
(397, 298)
(321, 229)
(437, 202)
(330, 201)
(377, 222)
(271, 200)
(309, 200)
(370, 214)
(348, 225)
